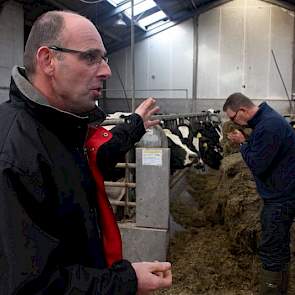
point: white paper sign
(152, 157)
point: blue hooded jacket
(270, 154)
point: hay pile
(203, 264)
(217, 254)
(203, 258)
(238, 205)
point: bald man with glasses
(58, 234)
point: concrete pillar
(143, 244)
(147, 239)
(152, 187)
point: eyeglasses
(91, 57)
(234, 116)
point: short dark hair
(237, 100)
(45, 31)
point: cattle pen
(210, 189)
(211, 221)
(149, 182)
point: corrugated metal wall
(234, 54)
(11, 44)
(235, 43)
(164, 61)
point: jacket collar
(21, 85)
(263, 107)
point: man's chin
(86, 108)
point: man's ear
(45, 60)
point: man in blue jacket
(270, 154)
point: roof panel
(113, 22)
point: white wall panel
(257, 49)
(159, 55)
(171, 61)
(234, 54)
(208, 54)
(142, 64)
(235, 43)
(119, 64)
(232, 49)
(12, 40)
(282, 22)
(163, 61)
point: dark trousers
(276, 221)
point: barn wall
(164, 61)
(235, 50)
(12, 43)
(112, 105)
(234, 54)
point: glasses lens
(106, 59)
(92, 57)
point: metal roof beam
(60, 5)
(105, 16)
(210, 5)
(166, 7)
(109, 34)
(284, 4)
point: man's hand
(152, 276)
(236, 136)
(146, 110)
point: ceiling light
(120, 21)
(141, 7)
(116, 2)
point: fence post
(152, 190)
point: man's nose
(104, 71)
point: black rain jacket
(49, 236)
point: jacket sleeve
(264, 145)
(27, 261)
(125, 135)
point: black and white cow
(181, 155)
(192, 141)
(207, 136)
(201, 137)
(184, 131)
